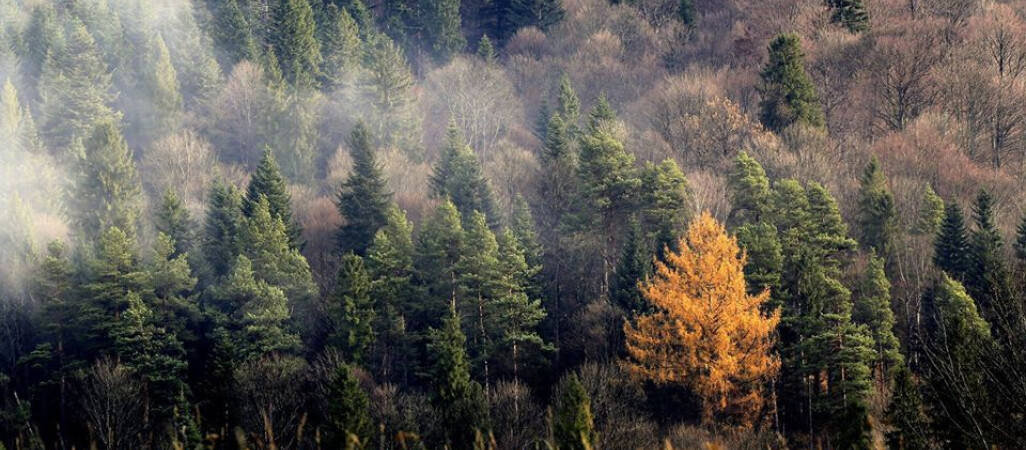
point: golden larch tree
(706, 332)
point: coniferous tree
(444, 27)
(439, 248)
(987, 278)
(788, 95)
(931, 213)
(480, 286)
(233, 34)
(905, 414)
(352, 311)
(75, 89)
(664, 203)
(293, 38)
(1020, 241)
(268, 182)
(113, 275)
(601, 116)
(523, 227)
(459, 400)
(873, 309)
(686, 12)
(173, 303)
(41, 36)
(257, 313)
(633, 268)
(107, 192)
(220, 231)
(486, 51)
(390, 262)
(518, 314)
(537, 13)
(877, 214)
(458, 176)
(568, 105)
(573, 426)
(341, 47)
(765, 260)
(389, 85)
(749, 190)
(851, 14)
(951, 246)
(349, 421)
(165, 99)
(363, 199)
(174, 220)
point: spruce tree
(557, 187)
(349, 422)
(486, 51)
(686, 12)
(1020, 241)
(459, 400)
(573, 426)
(173, 303)
(749, 190)
(233, 34)
(665, 203)
(174, 220)
(363, 199)
(107, 191)
(41, 36)
(543, 14)
(634, 266)
(439, 248)
(518, 313)
(951, 246)
(443, 27)
(851, 14)
(268, 182)
(788, 95)
(987, 279)
(873, 309)
(113, 275)
(480, 285)
(164, 115)
(221, 229)
(458, 176)
(341, 47)
(523, 227)
(568, 105)
(601, 116)
(293, 38)
(906, 414)
(257, 313)
(931, 213)
(765, 260)
(877, 214)
(390, 263)
(389, 85)
(352, 311)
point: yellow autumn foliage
(706, 333)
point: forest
(512, 224)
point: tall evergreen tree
(107, 191)
(164, 115)
(873, 309)
(906, 414)
(174, 220)
(877, 214)
(439, 248)
(987, 279)
(480, 286)
(268, 182)
(458, 176)
(634, 266)
(788, 95)
(951, 246)
(363, 199)
(349, 421)
(352, 311)
(444, 27)
(851, 14)
(257, 313)
(220, 231)
(665, 203)
(233, 34)
(459, 400)
(765, 260)
(389, 85)
(1020, 241)
(341, 47)
(486, 51)
(113, 276)
(543, 14)
(518, 314)
(293, 37)
(568, 105)
(749, 190)
(390, 262)
(523, 227)
(931, 213)
(573, 425)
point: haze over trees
(303, 224)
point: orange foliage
(706, 332)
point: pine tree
(107, 191)
(220, 231)
(352, 311)
(293, 38)
(573, 426)
(951, 247)
(987, 279)
(349, 422)
(665, 202)
(486, 51)
(443, 27)
(174, 220)
(873, 309)
(702, 287)
(341, 47)
(268, 182)
(75, 90)
(458, 176)
(788, 95)
(877, 214)
(257, 312)
(905, 414)
(459, 400)
(749, 190)
(634, 267)
(931, 213)
(363, 199)
(233, 34)
(851, 14)
(543, 14)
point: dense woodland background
(418, 224)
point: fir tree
(174, 220)
(749, 190)
(42, 35)
(877, 214)
(523, 227)
(113, 275)
(349, 421)
(765, 261)
(390, 262)
(931, 213)
(851, 14)
(665, 203)
(220, 231)
(686, 12)
(905, 414)
(459, 400)
(107, 191)
(363, 199)
(293, 38)
(444, 27)
(1020, 240)
(543, 14)
(573, 426)
(634, 266)
(518, 314)
(268, 182)
(389, 86)
(569, 106)
(173, 303)
(352, 311)
(480, 285)
(257, 313)
(486, 51)
(788, 95)
(873, 309)
(987, 279)
(341, 47)
(601, 116)
(458, 176)
(951, 247)
(439, 248)
(165, 99)
(233, 34)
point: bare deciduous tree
(112, 400)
